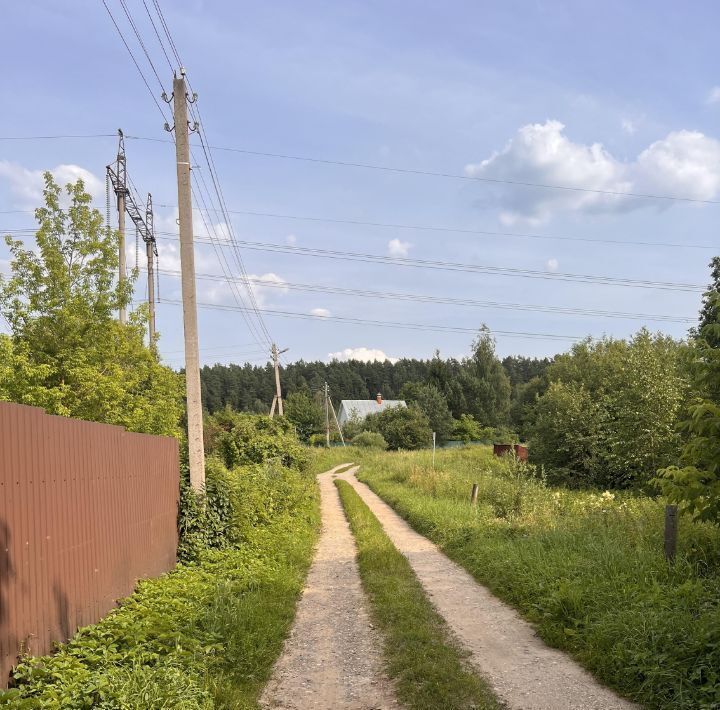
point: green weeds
(586, 567)
(427, 665)
(203, 636)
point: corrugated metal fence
(86, 510)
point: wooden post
(474, 494)
(671, 531)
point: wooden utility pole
(277, 399)
(196, 451)
(151, 251)
(327, 416)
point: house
(362, 408)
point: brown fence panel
(86, 510)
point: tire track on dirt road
(524, 672)
(333, 656)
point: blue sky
(609, 96)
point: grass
(428, 667)
(204, 636)
(587, 568)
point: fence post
(671, 531)
(474, 494)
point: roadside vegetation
(427, 665)
(207, 634)
(586, 567)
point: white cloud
(684, 163)
(363, 354)
(629, 126)
(552, 264)
(320, 312)
(713, 96)
(291, 239)
(27, 185)
(396, 247)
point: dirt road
(333, 657)
(523, 671)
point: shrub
(370, 440)
(242, 439)
(305, 414)
(402, 427)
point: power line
(445, 300)
(63, 137)
(387, 324)
(453, 176)
(466, 267)
(135, 62)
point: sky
(602, 98)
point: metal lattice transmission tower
(143, 221)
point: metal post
(434, 435)
(187, 264)
(122, 266)
(150, 250)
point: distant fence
(86, 510)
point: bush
(611, 412)
(402, 428)
(370, 440)
(243, 439)
(305, 414)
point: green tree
(467, 429)
(696, 483)
(404, 428)
(485, 383)
(68, 353)
(433, 404)
(610, 415)
(305, 413)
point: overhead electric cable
(454, 176)
(445, 300)
(468, 267)
(388, 324)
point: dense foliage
(696, 483)
(610, 414)
(370, 439)
(402, 428)
(476, 385)
(243, 439)
(67, 353)
(587, 568)
(431, 402)
(305, 413)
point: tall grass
(586, 567)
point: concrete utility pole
(151, 251)
(196, 449)
(327, 416)
(277, 399)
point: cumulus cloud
(27, 185)
(552, 264)
(713, 96)
(684, 163)
(291, 239)
(320, 312)
(396, 247)
(362, 354)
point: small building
(362, 408)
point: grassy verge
(587, 568)
(426, 664)
(203, 636)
